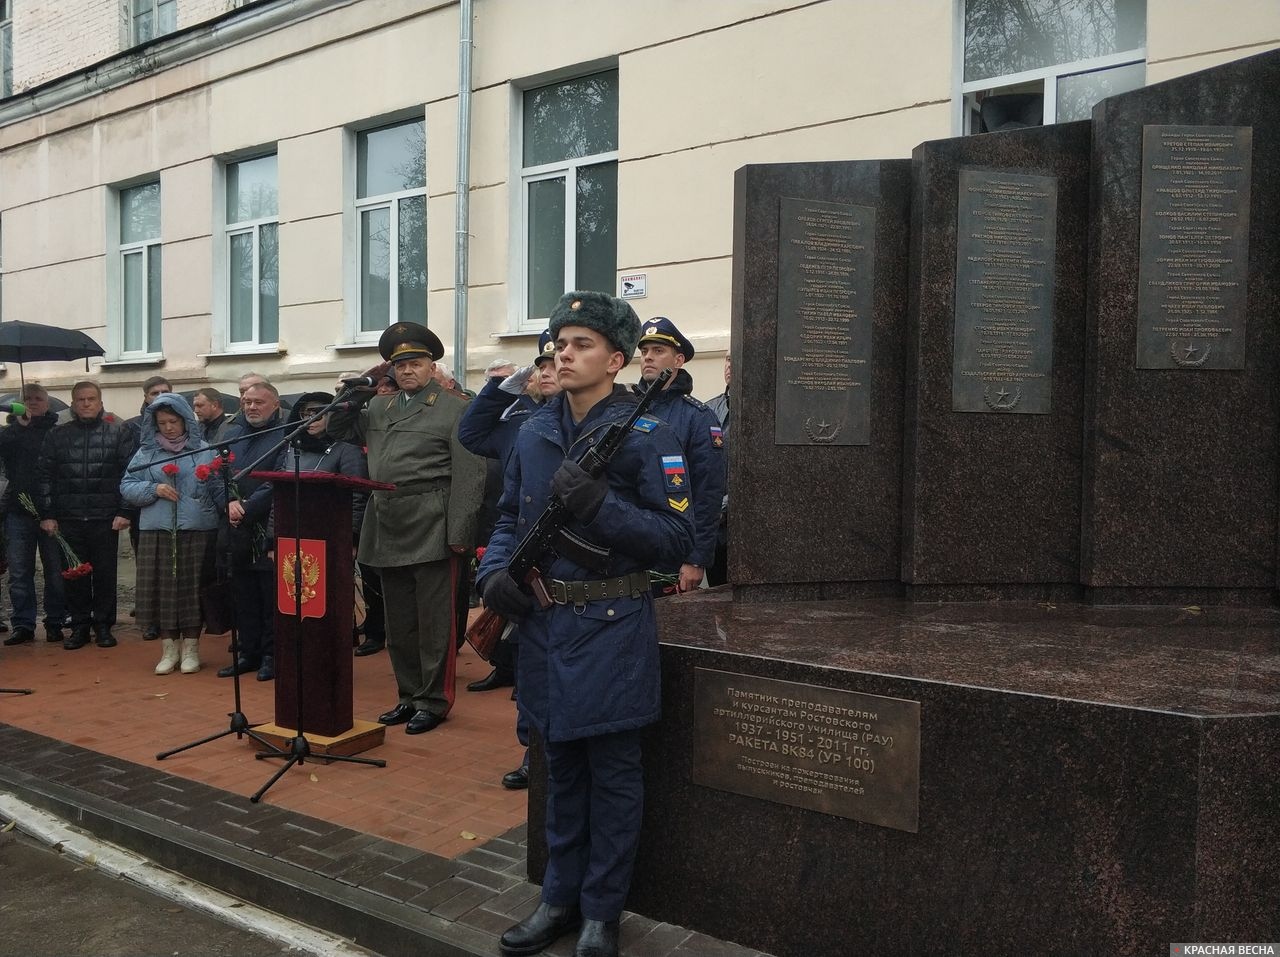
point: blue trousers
(24, 539)
(595, 799)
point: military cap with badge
(546, 347)
(410, 340)
(662, 330)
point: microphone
(365, 381)
(17, 408)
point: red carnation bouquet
(172, 470)
(75, 568)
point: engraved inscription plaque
(826, 254)
(839, 752)
(1193, 257)
(1002, 353)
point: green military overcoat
(439, 484)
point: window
(1028, 62)
(140, 270)
(391, 213)
(253, 255)
(569, 192)
(151, 19)
(6, 48)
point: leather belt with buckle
(579, 593)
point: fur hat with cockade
(602, 313)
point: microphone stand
(299, 748)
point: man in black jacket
(78, 486)
(253, 578)
(20, 446)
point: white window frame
(358, 334)
(521, 323)
(6, 66)
(967, 98)
(150, 350)
(223, 264)
(133, 9)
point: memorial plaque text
(1002, 353)
(1193, 259)
(839, 752)
(825, 284)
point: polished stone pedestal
(1092, 780)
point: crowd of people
(470, 473)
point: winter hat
(611, 317)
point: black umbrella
(33, 342)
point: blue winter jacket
(702, 438)
(594, 669)
(195, 503)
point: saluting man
(588, 670)
(415, 536)
(663, 346)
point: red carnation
(170, 469)
(480, 553)
(203, 472)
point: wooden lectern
(321, 518)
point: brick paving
(425, 856)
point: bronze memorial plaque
(1193, 256)
(825, 284)
(839, 752)
(1002, 352)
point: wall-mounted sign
(635, 286)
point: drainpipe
(462, 194)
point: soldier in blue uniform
(663, 346)
(588, 670)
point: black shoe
(20, 635)
(151, 634)
(598, 938)
(53, 633)
(497, 678)
(369, 647)
(240, 666)
(104, 638)
(516, 780)
(423, 721)
(268, 670)
(539, 930)
(78, 638)
(398, 715)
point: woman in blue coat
(178, 528)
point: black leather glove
(582, 495)
(503, 596)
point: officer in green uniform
(416, 535)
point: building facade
(212, 186)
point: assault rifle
(548, 533)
